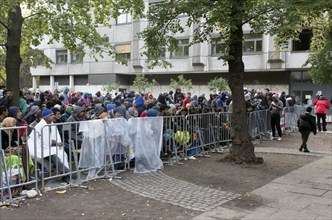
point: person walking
(322, 105)
(306, 124)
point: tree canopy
(218, 84)
(181, 83)
(283, 18)
(74, 23)
(142, 83)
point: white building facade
(264, 67)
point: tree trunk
(242, 149)
(13, 57)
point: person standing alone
(306, 124)
(322, 106)
(276, 108)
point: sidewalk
(304, 193)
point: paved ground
(301, 194)
(290, 184)
(162, 187)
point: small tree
(142, 83)
(110, 87)
(181, 83)
(218, 84)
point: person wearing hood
(195, 101)
(69, 110)
(77, 115)
(153, 113)
(132, 111)
(36, 98)
(66, 97)
(86, 99)
(110, 108)
(98, 112)
(120, 112)
(177, 94)
(139, 102)
(322, 105)
(30, 116)
(306, 124)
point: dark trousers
(275, 122)
(323, 117)
(304, 136)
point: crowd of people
(41, 108)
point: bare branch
(3, 24)
(29, 16)
(254, 16)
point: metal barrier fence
(260, 125)
(80, 151)
(290, 116)
(17, 168)
(192, 135)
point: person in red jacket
(322, 105)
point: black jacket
(307, 122)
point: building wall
(266, 69)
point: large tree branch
(29, 16)
(256, 15)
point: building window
(182, 50)
(122, 52)
(301, 76)
(252, 43)
(76, 58)
(61, 56)
(304, 41)
(218, 47)
(124, 17)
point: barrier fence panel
(92, 149)
(259, 123)
(17, 167)
(175, 138)
(199, 138)
(223, 129)
(193, 134)
(81, 150)
(291, 115)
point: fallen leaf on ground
(61, 192)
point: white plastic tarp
(93, 146)
(147, 143)
(143, 135)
